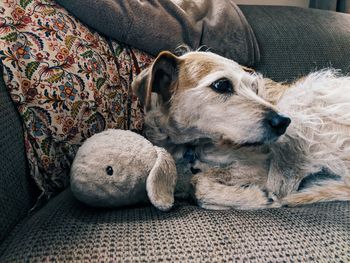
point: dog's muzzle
(277, 123)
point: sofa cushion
(66, 230)
(294, 41)
(67, 82)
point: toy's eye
(109, 170)
(222, 86)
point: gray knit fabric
(294, 40)
(66, 230)
(15, 196)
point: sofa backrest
(16, 191)
(294, 41)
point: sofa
(293, 41)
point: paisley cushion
(67, 82)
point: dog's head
(206, 95)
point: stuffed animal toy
(116, 168)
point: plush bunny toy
(116, 168)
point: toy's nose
(277, 123)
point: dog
(244, 141)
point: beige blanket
(157, 25)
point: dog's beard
(193, 134)
(266, 139)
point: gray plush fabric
(15, 196)
(158, 25)
(66, 230)
(294, 41)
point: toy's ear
(161, 181)
(159, 79)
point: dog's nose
(277, 122)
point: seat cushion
(66, 230)
(294, 41)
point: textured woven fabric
(66, 230)
(15, 196)
(294, 41)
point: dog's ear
(159, 78)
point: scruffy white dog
(251, 142)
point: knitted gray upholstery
(66, 230)
(294, 40)
(15, 196)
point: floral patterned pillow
(67, 82)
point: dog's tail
(329, 190)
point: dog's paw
(247, 197)
(272, 200)
(254, 197)
(296, 199)
(212, 206)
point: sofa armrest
(16, 192)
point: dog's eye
(109, 170)
(222, 86)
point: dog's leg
(329, 190)
(282, 182)
(286, 169)
(218, 189)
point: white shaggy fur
(219, 126)
(320, 109)
(319, 106)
